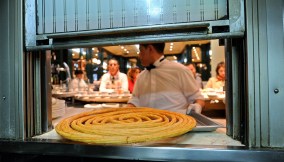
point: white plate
(93, 106)
(110, 105)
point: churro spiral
(124, 125)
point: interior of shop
(204, 54)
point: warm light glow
(104, 65)
(94, 60)
(196, 54)
(137, 46)
(210, 52)
(76, 50)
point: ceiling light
(210, 52)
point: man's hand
(194, 107)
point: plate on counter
(204, 123)
(110, 105)
(93, 106)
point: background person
(132, 76)
(78, 83)
(90, 71)
(113, 79)
(196, 75)
(164, 84)
(217, 82)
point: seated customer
(217, 82)
(132, 75)
(78, 83)
(196, 75)
(113, 79)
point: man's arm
(200, 102)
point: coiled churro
(124, 125)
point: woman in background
(217, 82)
(132, 76)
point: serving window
(212, 52)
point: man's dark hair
(158, 46)
(112, 59)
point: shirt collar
(115, 76)
(158, 62)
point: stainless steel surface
(264, 72)
(264, 51)
(125, 30)
(62, 17)
(30, 23)
(275, 75)
(12, 71)
(204, 123)
(136, 152)
(133, 39)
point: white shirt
(170, 86)
(214, 83)
(77, 84)
(119, 81)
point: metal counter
(137, 152)
(206, 145)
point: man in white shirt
(78, 83)
(164, 84)
(113, 79)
